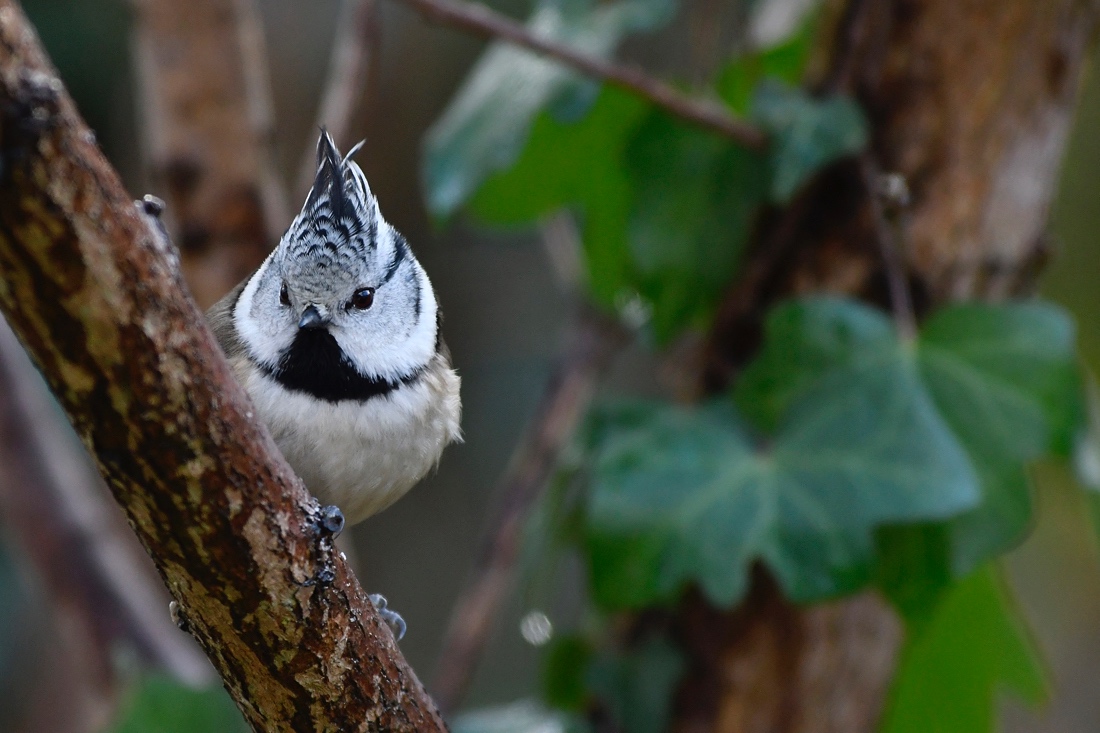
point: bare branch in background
(594, 342)
(95, 296)
(479, 20)
(352, 72)
(206, 101)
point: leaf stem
(886, 230)
(479, 20)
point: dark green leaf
(486, 125)
(525, 716)
(952, 669)
(638, 686)
(565, 664)
(807, 133)
(682, 496)
(914, 569)
(1005, 378)
(785, 61)
(579, 165)
(695, 196)
(161, 705)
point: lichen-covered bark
(970, 100)
(97, 300)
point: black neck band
(315, 365)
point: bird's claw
(392, 618)
(328, 526)
(332, 520)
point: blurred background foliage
(637, 181)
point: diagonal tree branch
(96, 298)
(479, 20)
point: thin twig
(596, 339)
(354, 51)
(885, 230)
(481, 21)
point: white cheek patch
(263, 337)
(394, 359)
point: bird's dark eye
(284, 296)
(363, 299)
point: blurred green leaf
(525, 716)
(785, 61)
(682, 496)
(486, 125)
(913, 569)
(1003, 379)
(638, 685)
(564, 666)
(666, 207)
(695, 197)
(578, 164)
(807, 133)
(161, 705)
(973, 647)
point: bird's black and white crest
(338, 246)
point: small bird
(336, 338)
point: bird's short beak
(312, 318)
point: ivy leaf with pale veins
(486, 125)
(806, 133)
(684, 496)
(1002, 380)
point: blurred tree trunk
(971, 102)
(208, 129)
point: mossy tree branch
(96, 298)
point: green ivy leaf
(1001, 378)
(638, 685)
(695, 198)
(784, 61)
(576, 164)
(914, 569)
(486, 125)
(972, 647)
(807, 133)
(681, 496)
(1005, 378)
(161, 705)
(564, 666)
(524, 716)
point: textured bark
(205, 92)
(971, 101)
(96, 297)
